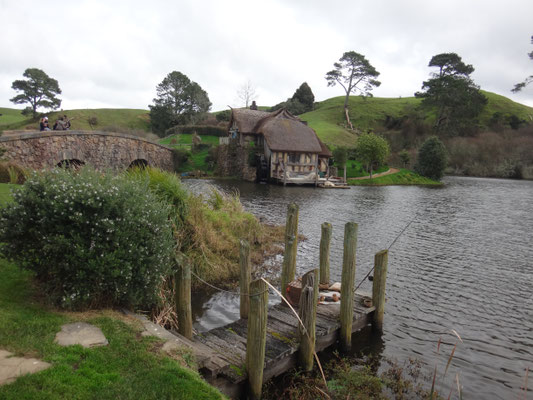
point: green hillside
(105, 118)
(370, 113)
(327, 119)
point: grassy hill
(370, 113)
(133, 119)
(327, 119)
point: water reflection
(463, 264)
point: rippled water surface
(465, 263)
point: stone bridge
(102, 150)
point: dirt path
(390, 171)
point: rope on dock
(388, 248)
(224, 290)
(276, 293)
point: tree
(302, 101)
(304, 95)
(38, 90)
(372, 149)
(432, 159)
(247, 93)
(179, 101)
(404, 157)
(451, 90)
(340, 154)
(519, 86)
(355, 74)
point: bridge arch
(102, 150)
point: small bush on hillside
(432, 159)
(180, 157)
(91, 239)
(198, 148)
(223, 115)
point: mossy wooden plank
(230, 338)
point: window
(294, 158)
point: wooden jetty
(267, 341)
(227, 344)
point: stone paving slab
(81, 333)
(13, 367)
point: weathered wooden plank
(276, 347)
(282, 329)
(284, 317)
(332, 310)
(223, 349)
(231, 338)
(324, 326)
(240, 327)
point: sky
(113, 54)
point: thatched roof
(246, 119)
(325, 151)
(282, 131)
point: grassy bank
(404, 177)
(355, 169)
(130, 367)
(5, 192)
(108, 118)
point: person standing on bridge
(43, 124)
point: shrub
(168, 189)
(91, 239)
(432, 159)
(198, 148)
(93, 121)
(180, 157)
(223, 115)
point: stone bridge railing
(102, 150)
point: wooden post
(246, 276)
(182, 289)
(347, 285)
(325, 240)
(256, 341)
(291, 246)
(308, 303)
(381, 260)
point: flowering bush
(91, 239)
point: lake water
(465, 263)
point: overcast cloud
(114, 53)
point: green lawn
(5, 192)
(130, 367)
(11, 116)
(105, 117)
(404, 177)
(354, 169)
